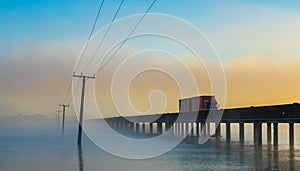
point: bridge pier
(197, 129)
(163, 127)
(203, 129)
(291, 128)
(208, 129)
(186, 128)
(257, 133)
(242, 136)
(176, 128)
(159, 127)
(269, 133)
(143, 128)
(120, 125)
(131, 126)
(275, 133)
(191, 129)
(151, 128)
(218, 130)
(168, 125)
(228, 131)
(181, 128)
(137, 127)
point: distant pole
(58, 111)
(64, 114)
(83, 78)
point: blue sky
(24, 21)
(40, 20)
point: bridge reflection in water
(213, 155)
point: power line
(68, 91)
(90, 35)
(105, 35)
(83, 52)
(123, 42)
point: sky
(257, 41)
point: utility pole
(83, 78)
(64, 115)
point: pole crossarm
(84, 76)
(64, 105)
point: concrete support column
(151, 128)
(175, 128)
(137, 127)
(242, 130)
(182, 128)
(208, 129)
(228, 131)
(203, 129)
(291, 128)
(192, 129)
(254, 132)
(168, 125)
(275, 133)
(197, 129)
(257, 133)
(125, 126)
(218, 130)
(143, 128)
(187, 128)
(159, 127)
(121, 126)
(131, 127)
(118, 126)
(269, 133)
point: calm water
(35, 144)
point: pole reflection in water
(80, 159)
(242, 154)
(275, 155)
(292, 158)
(258, 157)
(269, 156)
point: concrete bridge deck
(270, 115)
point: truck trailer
(198, 103)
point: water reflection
(275, 157)
(292, 157)
(80, 159)
(257, 157)
(242, 154)
(22, 147)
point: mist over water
(37, 143)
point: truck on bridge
(198, 103)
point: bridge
(199, 124)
